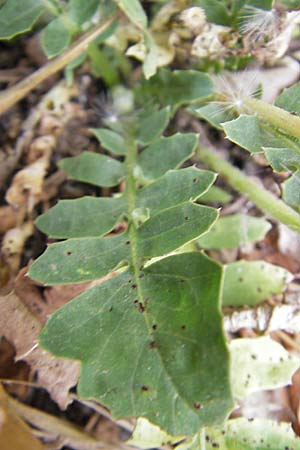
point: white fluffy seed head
(233, 88)
(259, 24)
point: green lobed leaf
(248, 132)
(173, 228)
(152, 124)
(84, 217)
(167, 153)
(216, 195)
(89, 216)
(110, 140)
(213, 113)
(235, 230)
(215, 11)
(289, 99)
(159, 312)
(134, 11)
(259, 364)
(15, 20)
(154, 327)
(93, 168)
(176, 88)
(250, 282)
(55, 37)
(283, 159)
(77, 260)
(82, 11)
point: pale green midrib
(130, 194)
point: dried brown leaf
(8, 218)
(20, 327)
(13, 245)
(27, 184)
(14, 433)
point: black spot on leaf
(198, 405)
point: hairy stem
(275, 116)
(242, 183)
(12, 95)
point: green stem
(12, 95)
(275, 116)
(53, 6)
(131, 197)
(242, 183)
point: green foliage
(258, 364)
(239, 229)
(12, 24)
(160, 309)
(262, 128)
(66, 19)
(228, 12)
(98, 170)
(134, 11)
(149, 336)
(56, 37)
(252, 434)
(253, 135)
(176, 88)
(250, 282)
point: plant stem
(275, 116)
(242, 183)
(12, 95)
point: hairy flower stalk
(261, 197)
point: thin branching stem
(262, 198)
(12, 95)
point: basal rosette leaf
(146, 350)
